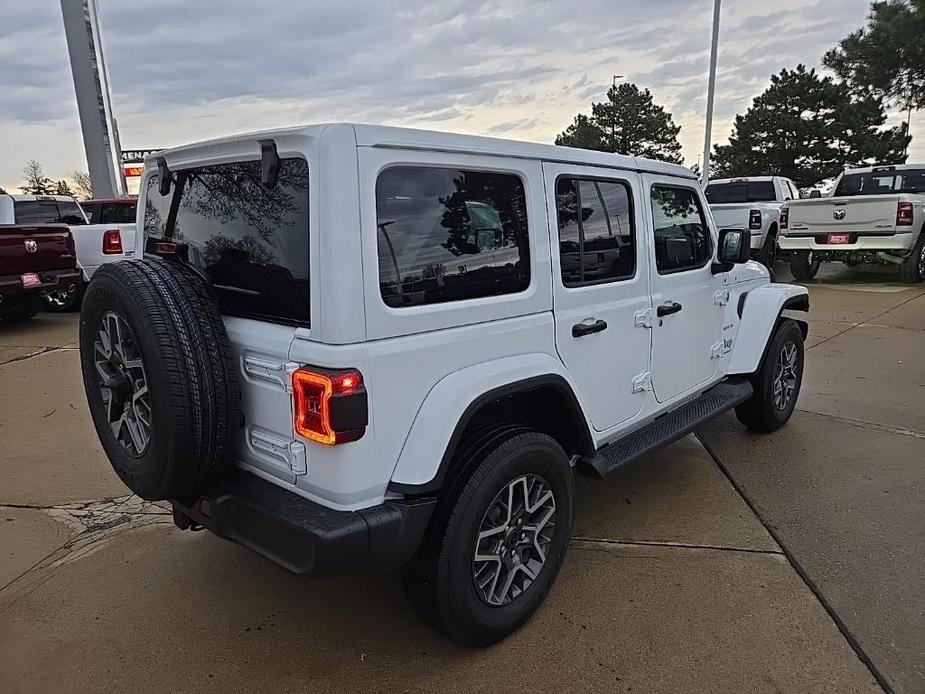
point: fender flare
(759, 312)
(427, 454)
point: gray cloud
(183, 70)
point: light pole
(613, 118)
(711, 92)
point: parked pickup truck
(875, 214)
(34, 260)
(103, 231)
(753, 202)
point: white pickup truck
(875, 214)
(753, 203)
(103, 231)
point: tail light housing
(330, 405)
(904, 214)
(112, 242)
(784, 217)
(754, 219)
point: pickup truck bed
(34, 259)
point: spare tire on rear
(160, 377)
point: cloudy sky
(185, 70)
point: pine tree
(36, 182)
(629, 122)
(807, 128)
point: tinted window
(252, 241)
(47, 212)
(449, 234)
(92, 210)
(740, 191)
(595, 231)
(682, 237)
(881, 183)
(116, 213)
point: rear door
(601, 283)
(686, 295)
(252, 243)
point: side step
(670, 427)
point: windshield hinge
(644, 319)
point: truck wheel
(912, 269)
(768, 255)
(62, 301)
(777, 381)
(804, 265)
(499, 538)
(21, 309)
(159, 377)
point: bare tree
(36, 183)
(81, 185)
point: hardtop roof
(412, 138)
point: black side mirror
(735, 246)
(815, 193)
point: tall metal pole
(94, 100)
(711, 92)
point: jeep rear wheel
(777, 382)
(498, 540)
(804, 265)
(159, 377)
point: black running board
(669, 427)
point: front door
(686, 295)
(601, 281)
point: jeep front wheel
(499, 540)
(777, 382)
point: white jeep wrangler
(346, 345)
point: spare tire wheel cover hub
(123, 383)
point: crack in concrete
(848, 635)
(43, 350)
(884, 428)
(675, 545)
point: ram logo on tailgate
(839, 214)
(31, 246)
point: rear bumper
(301, 535)
(11, 285)
(804, 241)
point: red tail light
(904, 214)
(754, 219)
(784, 217)
(112, 242)
(330, 406)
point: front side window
(682, 237)
(596, 236)
(447, 234)
(250, 240)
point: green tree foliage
(629, 122)
(36, 183)
(62, 188)
(807, 128)
(886, 58)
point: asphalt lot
(732, 562)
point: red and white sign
(838, 238)
(29, 280)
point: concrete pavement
(673, 582)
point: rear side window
(447, 234)
(596, 236)
(250, 240)
(116, 213)
(740, 191)
(92, 210)
(47, 212)
(682, 237)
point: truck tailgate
(37, 248)
(868, 213)
(732, 215)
